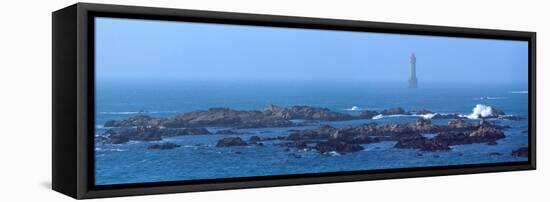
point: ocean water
(198, 158)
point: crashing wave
(427, 116)
(354, 108)
(481, 111)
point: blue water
(199, 159)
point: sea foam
(480, 111)
(519, 92)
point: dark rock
(163, 146)
(487, 134)
(417, 141)
(447, 116)
(141, 133)
(394, 111)
(254, 139)
(297, 144)
(495, 154)
(496, 112)
(461, 125)
(293, 130)
(492, 143)
(295, 155)
(483, 134)
(305, 112)
(425, 126)
(307, 135)
(274, 138)
(352, 135)
(141, 120)
(521, 152)
(117, 139)
(231, 141)
(337, 146)
(226, 132)
(423, 112)
(224, 117)
(180, 132)
(368, 114)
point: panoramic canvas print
(179, 101)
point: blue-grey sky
(132, 49)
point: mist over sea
(197, 158)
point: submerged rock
(447, 116)
(254, 139)
(163, 146)
(368, 114)
(231, 141)
(337, 146)
(521, 152)
(226, 132)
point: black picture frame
(73, 100)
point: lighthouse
(413, 81)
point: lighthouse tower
(413, 81)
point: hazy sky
(162, 50)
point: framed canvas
(156, 100)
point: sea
(199, 159)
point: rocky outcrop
(142, 133)
(306, 113)
(273, 116)
(423, 112)
(521, 152)
(447, 116)
(417, 141)
(352, 135)
(425, 126)
(483, 134)
(224, 117)
(394, 111)
(368, 114)
(407, 135)
(141, 120)
(337, 146)
(322, 133)
(230, 142)
(254, 139)
(163, 146)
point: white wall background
(25, 103)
